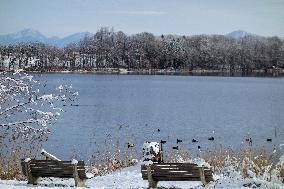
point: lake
(135, 107)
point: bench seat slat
(57, 174)
(175, 176)
(176, 179)
(208, 179)
(176, 172)
(53, 168)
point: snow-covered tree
(26, 111)
(110, 49)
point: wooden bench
(175, 172)
(34, 169)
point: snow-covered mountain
(30, 35)
(73, 38)
(239, 34)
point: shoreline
(184, 72)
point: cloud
(143, 12)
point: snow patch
(150, 152)
(74, 161)
(48, 97)
(27, 160)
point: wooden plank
(51, 172)
(54, 162)
(178, 176)
(180, 170)
(53, 168)
(173, 168)
(167, 170)
(165, 167)
(44, 173)
(172, 165)
(176, 179)
(176, 172)
(208, 179)
(175, 176)
(52, 175)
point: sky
(183, 17)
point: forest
(110, 50)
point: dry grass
(13, 149)
(114, 154)
(279, 171)
(10, 165)
(250, 162)
(9, 169)
(177, 155)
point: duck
(178, 141)
(269, 140)
(175, 147)
(129, 145)
(211, 138)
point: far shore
(122, 71)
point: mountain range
(30, 35)
(239, 34)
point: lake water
(134, 107)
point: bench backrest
(176, 172)
(52, 168)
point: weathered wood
(49, 156)
(152, 183)
(79, 182)
(34, 169)
(202, 176)
(31, 178)
(176, 172)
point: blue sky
(187, 17)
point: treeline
(144, 51)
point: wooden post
(151, 181)
(78, 181)
(31, 179)
(202, 176)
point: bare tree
(26, 113)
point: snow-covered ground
(131, 178)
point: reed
(13, 148)
(114, 154)
(250, 162)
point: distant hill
(239, 34)
(30, 35)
